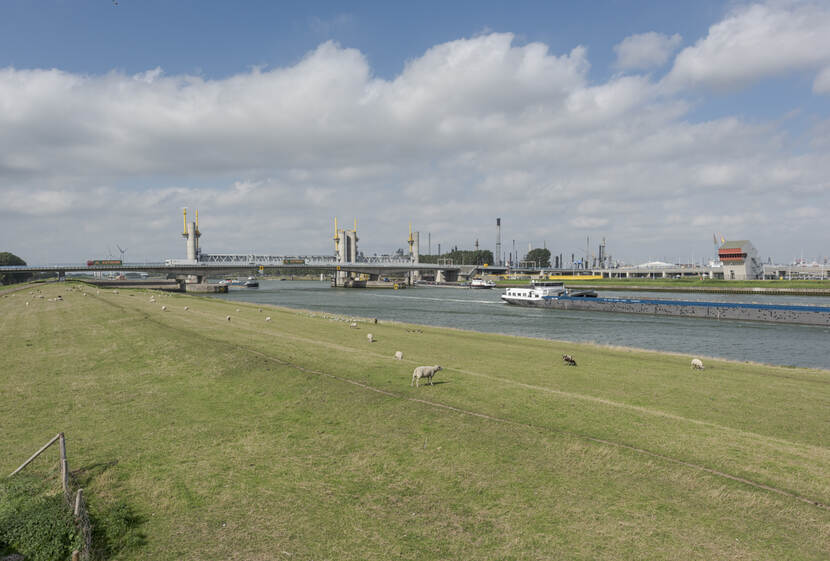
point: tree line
(10, 259)
(461, 257)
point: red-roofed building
(740, 261)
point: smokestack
(498, 242)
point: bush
(36, 525)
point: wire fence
(73, 495)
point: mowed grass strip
(234, 441)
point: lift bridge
(345, 265)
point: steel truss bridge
(218, 265)
(254, 260)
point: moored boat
(482, 283)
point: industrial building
(740, 261)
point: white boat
(481, 283)
(251, 283)
(541, 292)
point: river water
(482, 310)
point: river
(482, 310)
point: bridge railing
(255, 260)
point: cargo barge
(555, 296)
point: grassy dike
(298, 439)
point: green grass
(297, 439)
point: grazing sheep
(353, 324)
(164, 308)
(569, 360)
(259, 310)
(697, 364)
(370, 337)
(268, 318)
(186, 308)
(424, 372)
(237, 310)
(398, 355)
(228, 318)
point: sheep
(268, 318)
(697, 364)
(186, 308)
(237, 310)
(353, 325)
(398, 355)
(228, 318)
(569, 360)
(370, 337)
(424, 372)
(164, 308)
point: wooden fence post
(78, 498)
(64, 464)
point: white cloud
(756, 42)
(822, 82)
(473, 129)
(646, 50)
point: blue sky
(218, 39)
(652, 124)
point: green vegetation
(540, 256)
(461, 257)
(34, 520)
(297, 439)
(10, 259)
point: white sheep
(697, 364)
(164, 308)
(268, 318)
(228, 318)
(237, 310)
(186, 308)
(370, 337)
(398, 355)
(424, 372)
(353, 324)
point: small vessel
(251, 283)
(481, 283)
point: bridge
(193, 272)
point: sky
(658, 126)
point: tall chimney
(497, 256)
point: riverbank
(199, 421)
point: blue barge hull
(808, 315)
